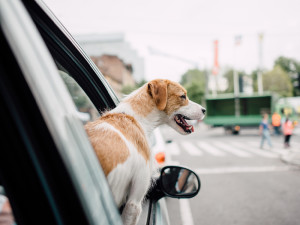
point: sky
(186, 29)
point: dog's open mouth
(181, 121)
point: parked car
(48, 89)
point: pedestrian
(276, 122)
(287, 131)
(264, 131)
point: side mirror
(179, 182)
(175, 182)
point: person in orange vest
(276, 122)
(287, 131)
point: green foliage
(195, 92)
(289, 65)
(277, 80)
(78, 95)
(127, 89)
(194, 82)
(229, 76)
(254, 76)
(292, 67)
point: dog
(120, 139)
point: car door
(79, 75)
(47, 165)
(67, 52)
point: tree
(195, 92)
(79, 97)
(254, 75)
(229, 76)
(277, 80)
(128, 89)
(292, 67)
(194, 81)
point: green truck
(232, 113)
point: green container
(223, 110)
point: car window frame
(68, 53)
(89, 77)
(72, 50)
(38, 65)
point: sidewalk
(293, 156)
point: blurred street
(240, 183)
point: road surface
(240, 183)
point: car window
(53, 154)
(86, 111)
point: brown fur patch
(142, 103)
(158, 89)
(175, 91)
(111, 150)
(146, 99)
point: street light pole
(236, 79)
(260, 56)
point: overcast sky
(187, 29)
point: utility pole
(260, 64)
(215, 70)
(236, 87)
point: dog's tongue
(189, 127)
(180, 120)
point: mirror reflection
(179, 181)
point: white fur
(192, 111)
(130, 180)
(121, 178)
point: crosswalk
(245, 149)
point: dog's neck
(141, 106)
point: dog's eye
(183, 96)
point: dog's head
(171, 98)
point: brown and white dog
(120, 138)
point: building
(113, 45)
(116, 72)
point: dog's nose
(203, 110)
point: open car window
(46, 160)
(86, 110)
(70, 58)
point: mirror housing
(175, 182)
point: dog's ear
(158, 91)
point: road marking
(254, 150)
(275, 147)
(185, 211)
(232, 150)
(173, 148)
(190, 148)
(209, 148)
(228, 170)
(169, 154)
